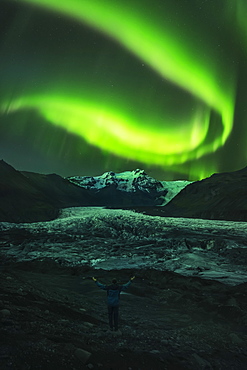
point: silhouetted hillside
(222, 197)
(20, 201)
(30, 197)
(61, 192)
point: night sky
(88, 86)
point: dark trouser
(113, 317)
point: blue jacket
(113, 292)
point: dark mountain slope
(61, 192)
(20, 201)
(222, 197)
(31, 197)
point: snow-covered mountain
(133, 182)
(130, 181)
(28, 196)
(125, 189)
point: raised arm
(101, 286)
(125, 286)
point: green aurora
(132, 79)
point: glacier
(118, 239)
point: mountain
(20, 201)
(222, 196)
(173, 188)
(61, 192)
(30, 197)
(124, 189)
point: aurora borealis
(99, 85)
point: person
(113, 296)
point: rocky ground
(56, 318)
(186, 309)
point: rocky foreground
(186, 309)
(56, 318)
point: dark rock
(5, 312)
(201, 363)
(236, 340)
(82, 355)
(222, 196)
(31, 197)
(20, 201)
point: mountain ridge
(222, 196)
(22, 199)
(30, 197)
